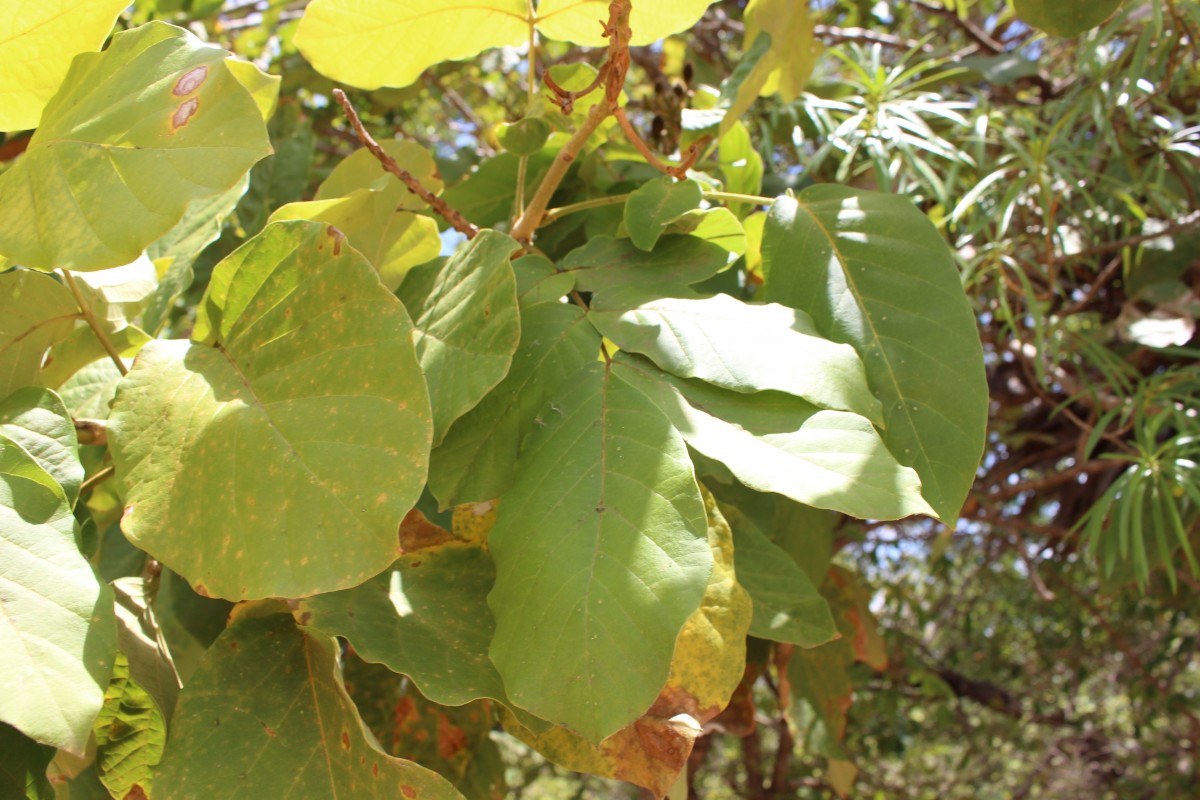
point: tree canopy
(712, 398)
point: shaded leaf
(539, 281)
(270, 694)
(654, 205)
(300, 456)
(623, 276)
(117, 188)
(872, 271)
(468, 327)
(23, 765)
(37, 420)
(629, 564)
(475, 461)
(1065, 17)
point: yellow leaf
(794, 49)
(37, 42)
(262, 86)
(709, 661)
(473, 522)
(374, 43)
(581, 22)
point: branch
(1189, 221)
(864, 36)
(90, 318)
(976, 33)
(456, 220)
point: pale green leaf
(374, 43)
(656, 204)
(267, 716)
(467, 324)
(872, 271)
(719, 226)
(745, 348)
(475, 461)
(1065, 17)
(606, 501)
(130, 734)
(36, 311)
(262, 86)
(134, 135)
(741, 165)
(361, 170)
(773, 442)
(299, 453)
(57, 629)
(89, 391)
(37, 42)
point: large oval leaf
(272, 456)
(56, 624)
(267, 715)
(872, 271)
(600, 558)
(117, 186)
(37, 46)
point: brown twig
(456, 220)
(97, 479)
(93, 323)
(977, 34)
(1189, 221)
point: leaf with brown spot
(289, 680)
(473, 521)
(851, 601)
(418, 533)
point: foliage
(781, 399)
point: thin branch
(976, 33)
(456, 220)
(97, 479)
(93, 323)
(864, 36)
(1189, 221)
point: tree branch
(456, 220)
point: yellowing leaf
(374, 43)
(262, 86)
(794, 49)
(37, 42)
(580, 22)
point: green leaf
(579, 21)
(539, 281)
(36, 311)
(140, 639)
(88, 392)
(719, 226)
(741, 165)
(130, 734)
(773, 442)
(266, 715)
(745, 348)
(621, 275)
(1065, 17)
(486, 196)
(525, 136)
(475, 461)
(655, 205)
(738, 93)
(57, 630)
(872, 271)
(39, 41)
(175, 252)
(116, 188)
(606, 502)
(38, 421)
(23, 765)
(426, 617)
(787, 605)
(467, 324)
(300, 456)
(361, 170)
